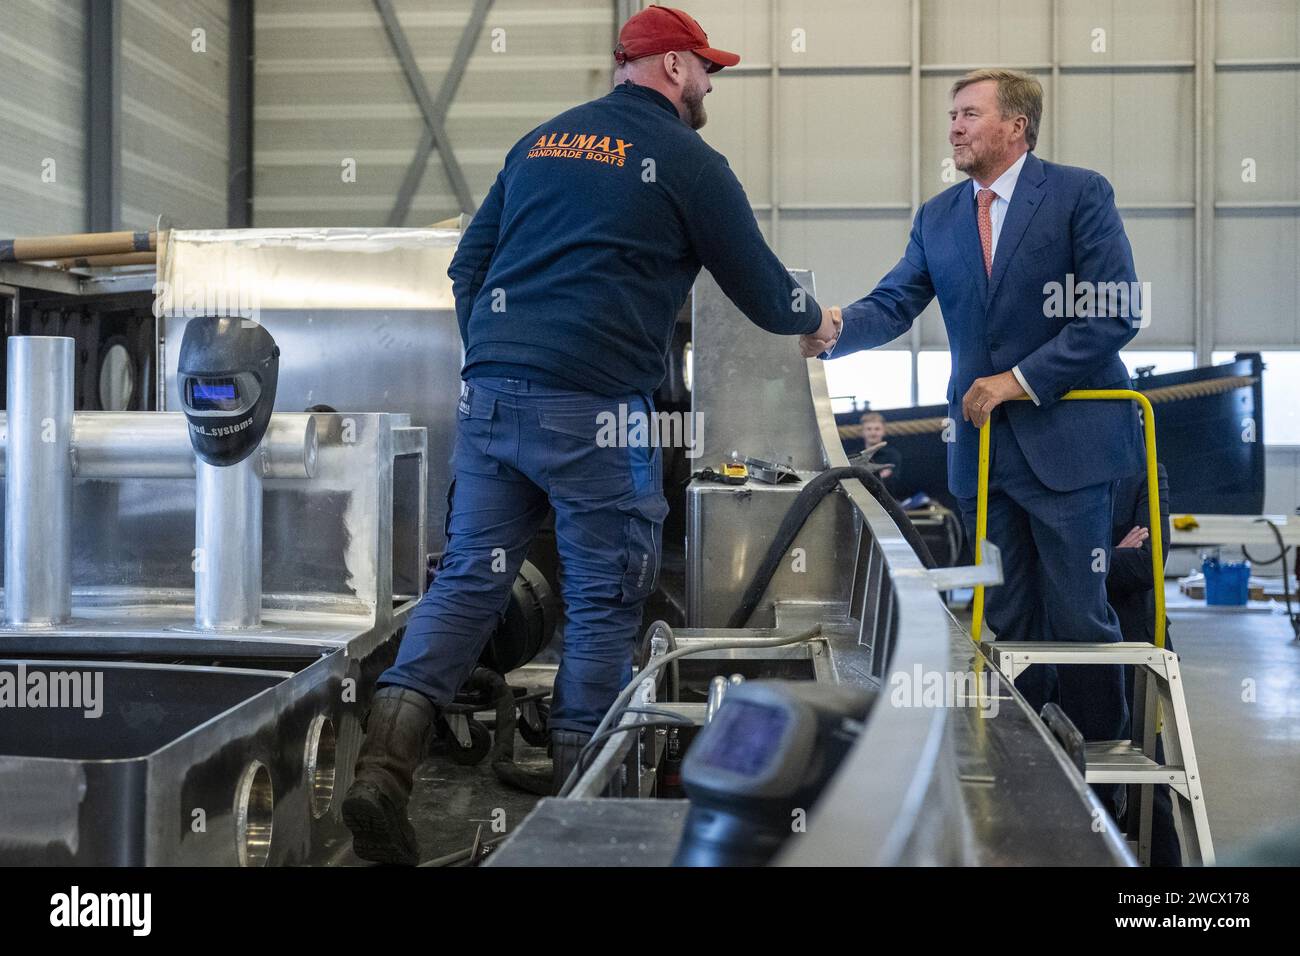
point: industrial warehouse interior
(594, 434)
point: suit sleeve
(1102, 256)
(725, 236)
(1130, 568)
(469, 266)
(893, 305)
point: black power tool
(765, 757)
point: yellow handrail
(1153, 501)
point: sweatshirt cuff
(1024, 383)
(817, 313)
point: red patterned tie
(985, 198)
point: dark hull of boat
(1209, 435)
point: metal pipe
(1206, 316)
(289, 448)
(228, 545)
(38, 487)
(113, 445)
(717, 691)
(131, 445)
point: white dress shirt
(1002, 188)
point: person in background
(873, 433)
(1130, 588)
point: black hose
(1273, 560)
(794, 519)
(1282, 548)
(502, 756)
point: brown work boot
(397, 738)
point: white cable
(616, 709)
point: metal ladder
(1157, 689)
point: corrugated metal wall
(836, 123)
(328, 88)
(174, 132)
(42, 117)
(1257, 224)
(1190, 110)
(174, 112)
(826, 135)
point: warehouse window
(1164, 362)
(1281, 395)
(882, 378)
(933, 366)
(1219, 358)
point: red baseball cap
(659, 29)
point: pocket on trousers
(583, 424)
(474, 420)
(586, 455)
(644, 536)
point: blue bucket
(1227, 583)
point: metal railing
(898, 786)
(1153, 501)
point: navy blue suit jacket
(1061, 220)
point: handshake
(815, 343)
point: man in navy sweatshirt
(567, 285)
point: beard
(968, 161)
(693, 100)
(979, 162)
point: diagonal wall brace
(433, 111)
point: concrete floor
(1241, 671)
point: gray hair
(1019, 94)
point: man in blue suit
(1035, 278)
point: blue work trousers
(522, 447)
(1055, 551)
